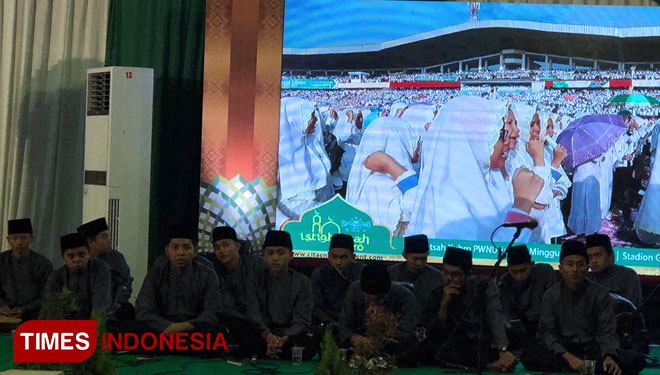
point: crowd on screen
(489, 74)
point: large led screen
(404, 117)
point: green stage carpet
(128, 365)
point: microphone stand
(648, 297)
(484, 305)
(480, 295)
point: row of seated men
(264, 307)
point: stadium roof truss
(509, 57)
(632, 32)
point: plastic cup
(296, 354)
(589, 367)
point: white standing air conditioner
(118, 159)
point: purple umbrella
(590, 137)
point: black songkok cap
(598, 239)
(416, 244)
(72, 241)
(180, 231)
(94, 227)
(518, 254)
(458, 257)
(342, 241)
(375, 279)
(18, 226)
(278, 238)
(222, 233)
(573, 248)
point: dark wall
(168, 36)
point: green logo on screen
(316, 227)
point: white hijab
(303, 164)
(343, 128)
(395, 107)
(554, 218)
(647, 224)
(551, 222)
(419, 115)
(564, 120)
(519, 157)
(348, 137)
(326, 121)
(376, 193)
(524, 114)
(459, 196)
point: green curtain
(168, 36)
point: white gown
(459, 196)
(592, 184)
(607, 180)
(554, 218)
(586, 207)
(647, 224)
(418, 116)
(520, 158)
(377, 194)
(348, 138)
(303, 164)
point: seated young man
(100, 246)
(280, 303)
(577, 322)
(621, 280)
(202, 260)
(618, 279)
(331, 281)
(450, 301)
(521, 292)
(375, 291)
(178, 295)
(86, 277)
(234, 271)
(23, 273)
(415, 270)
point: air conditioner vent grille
(98, 94)
(113, 222)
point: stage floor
(128, 365)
